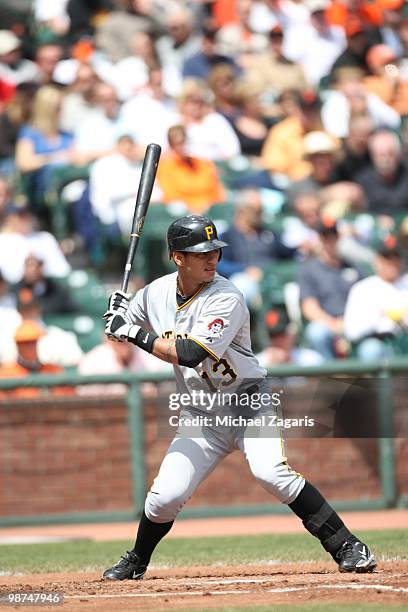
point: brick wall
(65, 455)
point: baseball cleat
(129, 567)
(354, 556)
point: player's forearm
(165, 349)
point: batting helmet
(193, 234)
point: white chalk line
(377, 587)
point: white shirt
(212, 138)
(14, 249)
(96, 132)
(26, 71)
(130, 75)
(147, 119)
(370, 303)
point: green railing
(386, 446)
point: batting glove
(118, 329)
(119, 301)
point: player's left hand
(118, 329)
(119, 301)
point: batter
(198, 321)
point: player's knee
(162, 507)
(279, 480)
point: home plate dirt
(198, 587)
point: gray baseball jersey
(215, 317)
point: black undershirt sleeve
(189, 353)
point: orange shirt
(15, 370)
(396, 97)
(283, 150)
(198, 185)
(369, 13)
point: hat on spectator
(388, 246)
(28, 331)
(276, 320)
(316, 6)
(8, 42)
(327, 226)
(319, 142)
(353, 26)
(379, 55)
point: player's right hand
(118, 302)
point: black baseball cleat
(128, 568)
(354, 556)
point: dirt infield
(199, 587)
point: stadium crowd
(284, 121)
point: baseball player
(198, 321)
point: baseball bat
(144, 192)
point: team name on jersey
(172, 335)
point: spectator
(272, 71)
(176, 45)
(113, 202)
(8, 312)
(316, 45)
(222, 80)
(282, 152)
(392, 17)
(100, 128)
(80, 98)
(282, 337)
(41, 144)
(21, 237)
(46, 58)
(249, 123)
(355, 156)
(377, 307)
(209, 133)
(148, 116)
(5, 199)
(348, 99)
(115, 34)
(52, 17)
(322, 150)
(385, 181)
(53, 297)
(14, 69)
(355, 54)
(200, 64)
(191, 180)
(385, 80)
(325, 282)
(250, 246)
(132, 72)
(300, 231)
(28, 362)
(238, 39)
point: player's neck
(187, 287)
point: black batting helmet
(193, 234)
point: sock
(148, 536)
(308, 504)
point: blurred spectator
(53, 297)
(209, 134)
(282, 152)
(282, 337)
(385, 181)
(113, 201)
(5, 199)
(100, 128)
(348, 99)
(355, 157)
(238, 39)
(285, 13)
(115, 34)
(392, 14)
(8, 312)
(14, 69)
(385, 80)
(187, 179)
(315, 45)
(249, 123)
(322, 151)
(41, 144)
(355, 54)
(80, 98)
(148, 116)
(178, 44)
(325, 282)
(28, 362)
(20, 236)
(132, 72)
(51, 17)
(222, 80)
(200, 63)
(300, 232)
(250, 246)
(46, 58)
(377, 307)
(272, 71)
